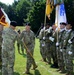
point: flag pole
(57, 20)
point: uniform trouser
(61, 63)
(68, 59)
(8, 58)
(0, 58)
(30, 60)
(20, 46)
(43, 52)
(54, 54)
(48, 52)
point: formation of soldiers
(58, 44)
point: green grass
(20, 62)
(43, 69)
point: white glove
(60, 50)
(69, 41)
(43, 38)
(49, 29)
(57, 44)
(52, 39)
(69, 52)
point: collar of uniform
(68, 30)
(62, 29)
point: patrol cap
(63, 23)
(28, 24)
(13, 23)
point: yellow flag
(49, 8)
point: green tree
(22, 9)
(36, 15)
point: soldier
(47, 42)
(53, 40)
(28, 38)
(1, 29)
(42, 45)
(60, 51)
(20, 43)
(68, 49)
(9, 36)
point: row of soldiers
(58, 44)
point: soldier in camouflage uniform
(9, 36)
(68, 50)
(28, 38)
(53, 40)
(20, 43)
(42, 45)
(60, 48)
(47, 43)
(1, 29)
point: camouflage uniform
(53, 50)
(47, 46)
(42, 45)
(68, 50)
(8, 53)
(0, 49)
(29, 39)
(20, 45)
(60, 50)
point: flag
(49, 8)
(60, 14)
(4, 20)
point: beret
(28, 24)
(63, 23)
(13, 23)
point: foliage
(36, 15)
(34, 11)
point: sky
(7, 1)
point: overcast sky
(7, 1)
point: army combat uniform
(0, 49)
(60, 51)
(68, 50)
(28, 38)
(42, 45)
(8, 50)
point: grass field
(43, 68)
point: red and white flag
(4, 20)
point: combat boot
(26, 72)
(34, 67)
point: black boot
(55, 65)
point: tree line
(33, 11)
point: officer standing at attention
(9, 36)
(42, 44)
(60, 47)
(28, 38)
(68, 49)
